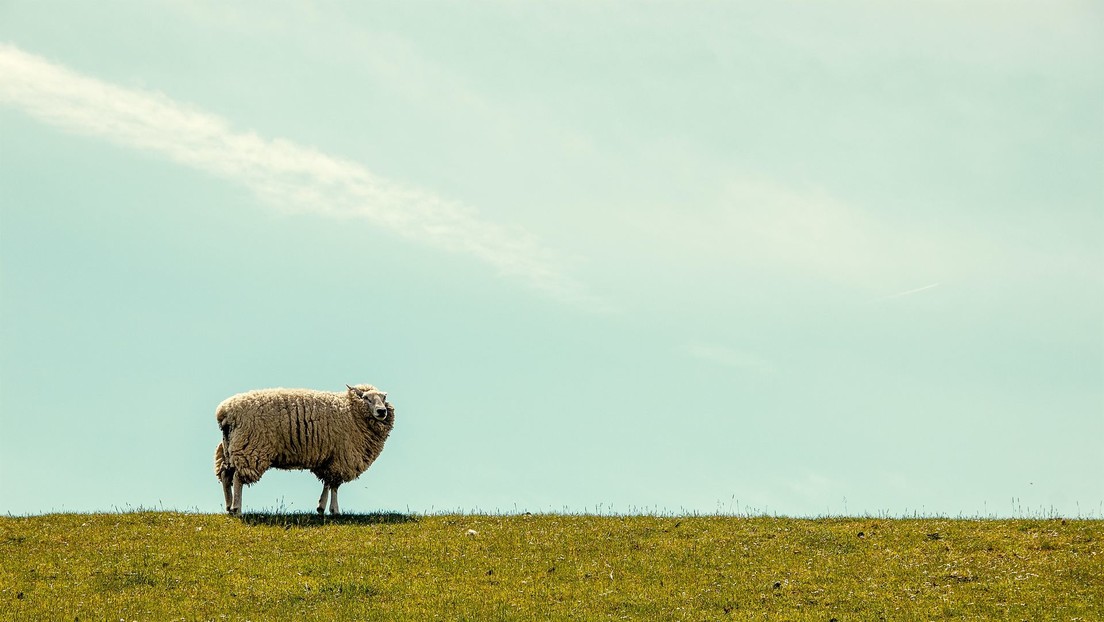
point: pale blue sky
(801, 258)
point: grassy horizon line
(600, 510)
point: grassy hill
(171, 566)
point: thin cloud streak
(909, 292)
(280, 172)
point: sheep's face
(372, 400)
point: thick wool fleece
(331, 434)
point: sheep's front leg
(236, 505)
(322, 499)
(333, 500)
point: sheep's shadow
(305, 519)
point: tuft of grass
(390, 566)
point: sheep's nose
(381, 411)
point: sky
(796, 258)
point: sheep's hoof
(321, 511)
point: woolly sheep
(336, 436)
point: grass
(172, 566)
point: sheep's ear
(353, 389)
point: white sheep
(336, 436)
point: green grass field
(171, 566)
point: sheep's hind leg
(333, 500)
(322, 499)
(227, 478)
(236, 505)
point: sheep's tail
(224, 423)
(222, 456)
(222, 452)
(220, 461)
(226, 445)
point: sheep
(336, 436)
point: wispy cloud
(909, 292)
(282, 173)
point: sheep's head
(372, 400)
